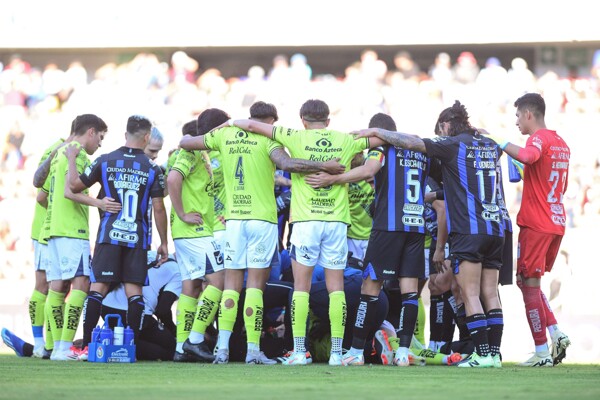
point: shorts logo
(260, 249)
(64, 261)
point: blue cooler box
(102, 349)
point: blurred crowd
(37, 104)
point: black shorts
(113, 263)
(506, 272)
(484, 249)
(394, 255)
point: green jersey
(39, 214)
(218, 190)
(328, 203)
(196, 194)
(65, 218)
(361, 195)
(248, 173)
(171, 161)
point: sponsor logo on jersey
(121, 236)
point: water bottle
(118, 335)
(128, 337)
(106, 336)
(96, 334)
(513, 171)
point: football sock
(436, 318)
(49, 339)
(461, 323)
(337, 318)
(253, 315)
(408, 318)
(448, 320)
(37, 302)
(91, 315)
(207, 308)
(536, 317)
(550, 318)
(365, 318)
(73, 309)
(186, 311)
(477, 325)
(495, 323)
(299, 316)
(420, 323)
(55, 308)
(135, 314)
(227, 316)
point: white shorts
(197, 257)
(250, 244)
(68, 258)
(40, 256)
(219, 238)
(358, 247)
(320, 243)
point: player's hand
(108, 204)
(72, 151)
(162, 254)
(430, 197)
(319, 180)
(439, 257)
(365, 133)
(222, 220)
(496, 138)
(192, 218)
(333, 167)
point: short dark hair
(383, 121)
(190, 128)
(210, 119)
(86, 121)
(137, 124)
(533, 102)
(458, 118)
(262, 110)
(314, 111)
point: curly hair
(458, 118)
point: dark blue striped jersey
(128, 176)
(431, 222)
(400, 189)
(470, 182)
(501, 200)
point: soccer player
(475, 228)
(155, 144)
(361, 196)
(66, 228)
(249, 162)
(190, 183)
(320, 219)
(122, 243)
(541, 220)
(396, 243)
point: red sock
(550, 318)
(536, 316)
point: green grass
(26, 378)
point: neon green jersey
(65, 218)
(196, 194)
(218, 190)
(39, 213)
(361, 195)
(171, 161)
(248, 173)
(329, 203)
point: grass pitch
(27, 378)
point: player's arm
(189, 142)
(282, 181)
(251, 125)
(161, 221)
(365, 172)
(442, 235)
(42, 198)
(283, 161)
(175, 185)
(527, 155)
(398, 139)
(40, 175)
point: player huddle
(413, 209)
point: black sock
(408, 318)
(477, 325)
(449, 326)
(92, 309)
(495, 322)
(436, 318)
(463, 332)
(365, 317)
(135, 312)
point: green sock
(253, 314)
(49, 339)
(420, 325)
(299, 313)
(37, 303)
(228, 310)
(186, 312)
(73, 308)
(337, 313)
(207, 309)
(55, 308)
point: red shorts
(536, 252)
